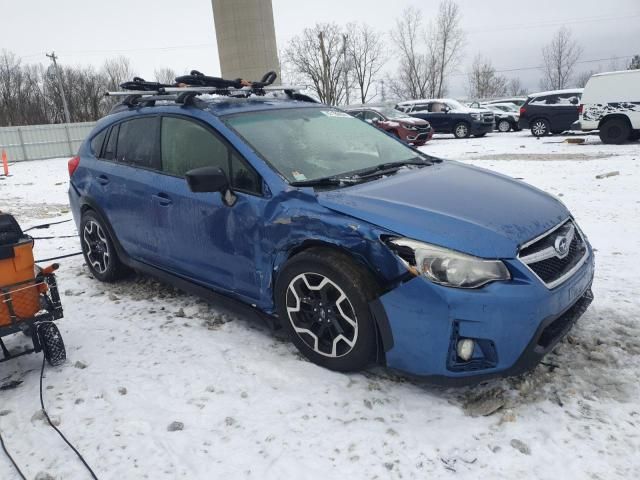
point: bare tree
(483, 80)
(515, 88)
(448, 39)
(414, 77)
(317, 56)
(559, 59)
(365, 51)
(583, 77)
(117, 70)
(635, 63)
(165, 75)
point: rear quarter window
(97, 142)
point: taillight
(73, 165)
(522, 111)
(580, 108)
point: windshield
(311, 143)
(456, 105)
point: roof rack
(140, 92)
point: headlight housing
(409, 127)
(447, 267)
(476, 116)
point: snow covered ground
(142, 355)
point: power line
(553, 24)
(538, 67)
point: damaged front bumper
(512, 324)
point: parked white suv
(611, 104)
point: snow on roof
(425, 100)
(557, 92)
(619, 72)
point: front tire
(322, 298)
(99, 250)
(615, 131)
(504, 126)
(461, 130)
(540, 127)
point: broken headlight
(447, 267)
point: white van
(611, 103)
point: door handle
(103, 179)
(162, 199)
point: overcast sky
(180, 33)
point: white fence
(36, 142)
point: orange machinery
(29, 299)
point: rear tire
(99, 250)
(322, 298)
(461, 130)
(52, 344)
(615, 131)
(540, 127)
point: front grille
(555, 256)
(424, 128)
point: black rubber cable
(11, 458)
(44, 411)
(58, 258)
(47, 225)
(57, 236)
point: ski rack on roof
(187, 87)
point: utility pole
(54, 57)
(345, 37)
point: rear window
(138, 142)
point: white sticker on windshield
(336, 113)
(298, 176)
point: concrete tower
(246, 38)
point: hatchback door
(210, 238)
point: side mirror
(207, 179)
(446, 109)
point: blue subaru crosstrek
(363, 249)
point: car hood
(454, 205)
(410, 120)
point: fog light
(465, 349)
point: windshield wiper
(390, 167)
(323, 181)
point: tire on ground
(540, 127)
(52, 344)
(615, 131)
(360, 288)
(461, 130)
(115, 269)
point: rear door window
(138, 142)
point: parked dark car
(408, 129)
(550, 112)
(506, 116)
(450, 116)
